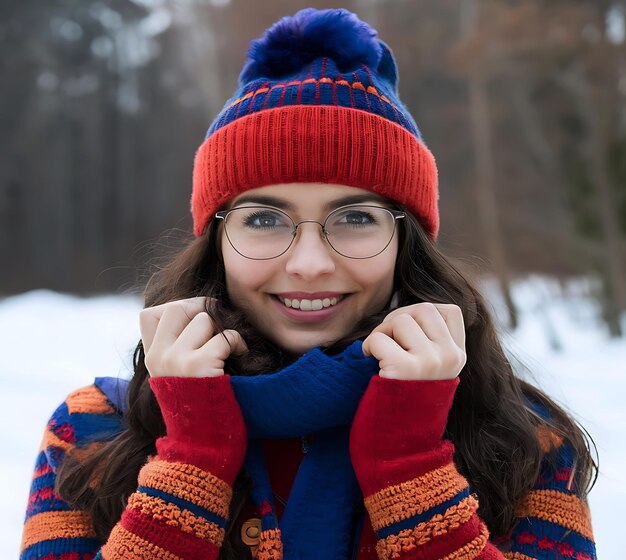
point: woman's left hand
(419, 342)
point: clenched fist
(420, 341)
(180, 340)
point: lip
(309, 316)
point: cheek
(244, 276)
(381, 269)
(375, 276)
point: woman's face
(309, 270)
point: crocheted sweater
(418, 504)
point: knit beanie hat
(317, 103)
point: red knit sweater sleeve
(419, 504)
(181, 504)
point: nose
(310, 255)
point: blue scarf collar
(315, 396)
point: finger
(173, 321)
(150, 316)
(389, 354)
(381, 345)
(193, 301)
(427, 317)
(237, 343)
(223, 344)
(407, 333)
(450, 313)
(432, 323)
(197, 333)
(453, 317)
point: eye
(263, 219)
(355, 217)
(360, 218)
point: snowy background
(52, 344)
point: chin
(302, 345)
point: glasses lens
(360, 232)
(258, 232)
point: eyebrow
(331, 205)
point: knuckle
(170, 360)
(457, 311)
(209, 321)
(168, 310)
(148, 362)
(462, 357)
(203, 318)
(376, 335)
(434, 361)
(404, 316)
(145, 315)
(455, 359)
(152, 364)
(181, 307)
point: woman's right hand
(180, 340)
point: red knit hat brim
(315, 144)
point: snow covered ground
(52, 343)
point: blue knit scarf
(317, 395)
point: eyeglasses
(355, 232)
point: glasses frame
(395, 214)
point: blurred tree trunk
(607, 206)
(595, 113)
(485, 170)
(105, 244)
(544, 153)
(201, 47)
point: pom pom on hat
(297, 40)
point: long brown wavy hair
(492, 423)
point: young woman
(315, 380)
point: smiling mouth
(309, 304)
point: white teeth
(310, 305)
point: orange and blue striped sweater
(418, 504)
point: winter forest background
(103, 104)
